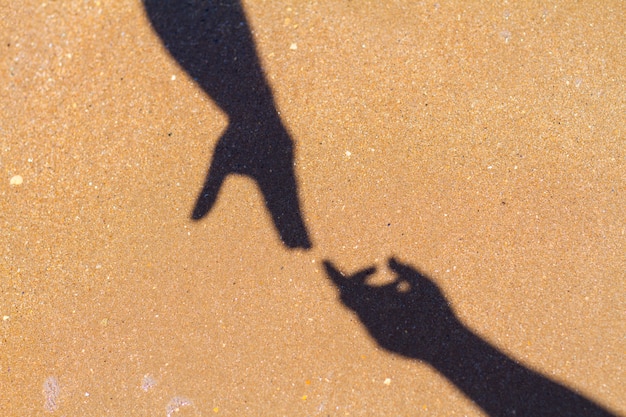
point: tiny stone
(387, 381)
(16, 180)
(293, 46)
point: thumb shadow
(212, 41)
(412, 318)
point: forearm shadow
(213, 43)
(412, 318)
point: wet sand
(481, 144)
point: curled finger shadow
(411, 317)
(212, 41)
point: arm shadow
(212, 41)
(412, 318)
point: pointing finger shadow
(212, 41)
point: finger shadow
(417, 322)
(213, 43)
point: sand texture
(413, 208)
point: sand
(482, 144)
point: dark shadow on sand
(212, 41)
(412, 318)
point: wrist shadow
(212, 41)
(412, 318)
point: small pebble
(16, 180)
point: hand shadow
(412, 318)
(212, 41)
